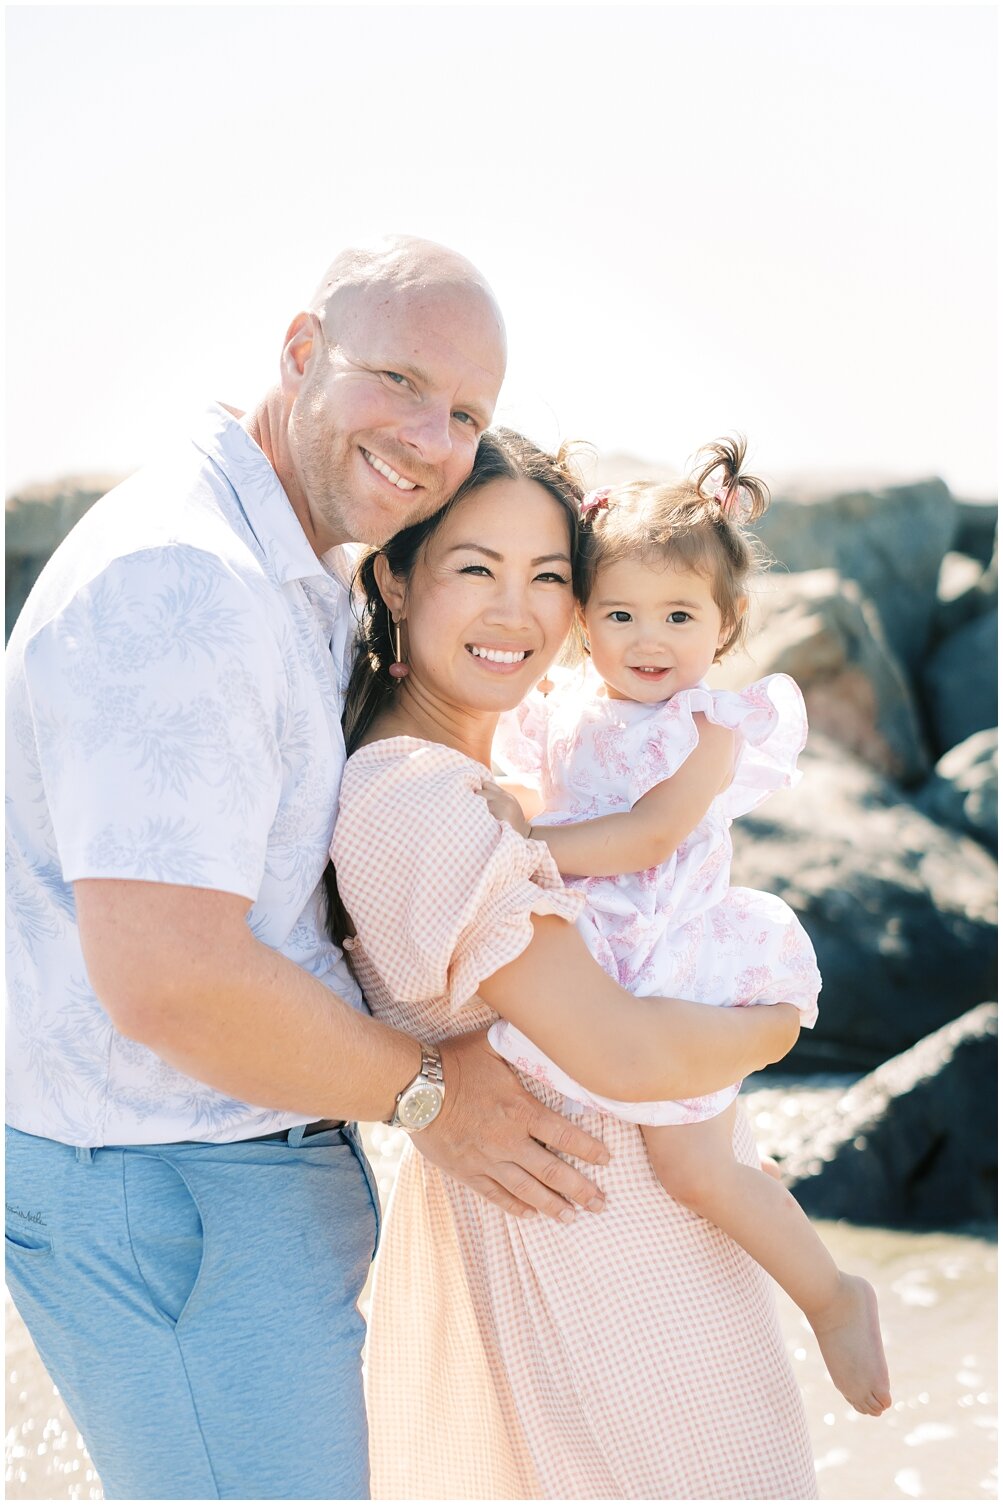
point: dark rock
(901, 911)
(964, 789)
(966, 589)
(890, 541)
(958, 574)
(913, 1143)
(959, 682)
(975, 528)
(37, 519)
(825, 634)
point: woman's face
(489, 603)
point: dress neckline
(387, 747)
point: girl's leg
(696, 1166)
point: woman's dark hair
(502, 454)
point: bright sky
(697, 218)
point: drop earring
(398, 669)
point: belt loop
(85, 1155)
(295, 1135)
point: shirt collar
(266, 506)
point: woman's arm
(631, 1049)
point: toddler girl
(639, 770)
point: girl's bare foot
(769, 1167)
(849, 1336)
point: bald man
(190, 1218)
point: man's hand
(493, 1135)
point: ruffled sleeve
(771, 727)
(440, 893)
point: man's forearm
(283, 1040)
(215, 1003)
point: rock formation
(914, 1142)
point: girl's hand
(505, 807)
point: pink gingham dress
(634, 1354)
(677, 930)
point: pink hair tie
(592, 503)
(734, 501)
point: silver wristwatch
(421, 1100)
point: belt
(321, 1126)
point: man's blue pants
(196, 1307)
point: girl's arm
(631, 1049)
(654, 827)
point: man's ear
(392, 588)
(303, 340)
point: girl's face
(653, 629)
(489, 603)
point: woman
(634, 1354)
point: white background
(773, 218)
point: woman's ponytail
(370, 686)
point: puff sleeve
(441, 894)
(770, 726)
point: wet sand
(937, 1293)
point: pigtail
(742, 498)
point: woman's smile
(490, 603)
(497, 658)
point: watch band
(431, 1064)
(429, 1075)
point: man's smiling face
(398, 387)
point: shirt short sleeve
(157, 697)
(440, 893)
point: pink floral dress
(632, 1354)
(678, 930)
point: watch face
(419, 1106)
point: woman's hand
(493, 1136)
(505, 807)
